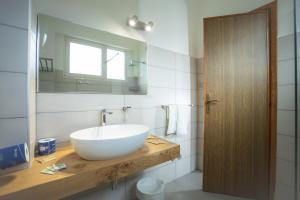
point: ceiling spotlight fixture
(132, 21)
(148, 27)
(139, 25)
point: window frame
(103, 76)
(68, 41)
(126, 63)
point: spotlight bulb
(148, 27)
(133, 21)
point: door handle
(210, 101)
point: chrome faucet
(103, 113)
(125, 108)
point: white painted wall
(171, 24)
(169, 17)
(199, 9)
(178, 24)
(104, 15)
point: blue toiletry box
(47, 146)
(14, 155)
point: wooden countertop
(81, 174)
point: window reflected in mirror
(79, 59)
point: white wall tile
(285, 47)
(185, 147)
(14, 12)
(200, 130)
(160, 77)
(194, 130)
(286, 72)
(155, 98)
(53, 102)
(13, 51)
(200, 146)
(183, 166)
(61, 125)
(183, 97)
(283, 192)
(193, 82)
(285, 172)
(183, 80)
(183, 63)
(194, 113)
(165, 173)
(285, 6)
(199, 162)
(160, 57)
(286, 97)
(286, 122)
(13, 131)
(285, 147)
(286, 23)
(200, 66)
(13, 98)
(152, 117)
(193, 163)
(200, 81)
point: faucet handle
(125, 108)
(105, 111)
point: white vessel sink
(108, 142)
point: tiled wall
(13, 72)
(286, 105)
(171, 80)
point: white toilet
(150, 189)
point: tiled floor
(189, 187)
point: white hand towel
(171, 119)
(184, 118)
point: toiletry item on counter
(153, 140)
(14, 155)
(43, 159)
(54, 168)
(47, 146)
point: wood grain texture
(80, 174)
(236, 147)
(271, 8)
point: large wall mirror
(77, 59)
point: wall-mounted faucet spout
(103, 113)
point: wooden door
(236, 143)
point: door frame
(271, 9)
